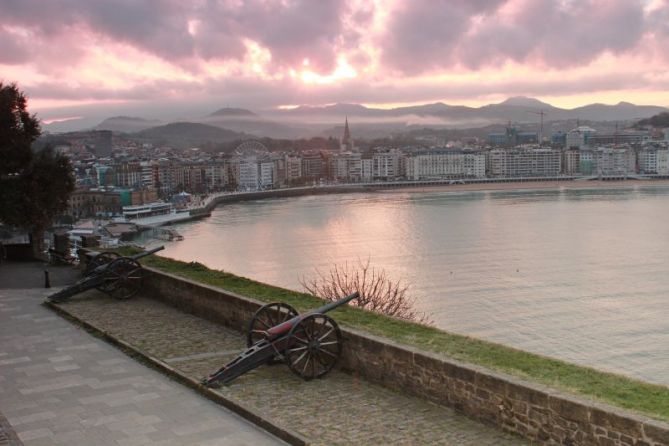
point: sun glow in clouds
(375, 51)
(343, 71)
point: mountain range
(327, 120)
(519, 108)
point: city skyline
(72, 56)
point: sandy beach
(534, 185)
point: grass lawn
(638, 396)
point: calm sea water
(581, 275)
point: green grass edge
(641, 397)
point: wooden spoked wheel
(266, 317)
(100, 259)
(313, 346)
(123, 278)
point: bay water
(577, 274)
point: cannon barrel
(276, 342)
(146, 253)
(102, 268)
(284, 327)
(332, 305)
(87, 283)
(99, 274)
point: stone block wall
(535, 412)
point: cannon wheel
(314, 346)
(123, 278)
(267, 317)
(100, 259)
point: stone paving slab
(339, 409)
(61, 386)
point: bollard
(47, 283)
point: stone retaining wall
(533, 411)
(285, 193)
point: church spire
(346, 142)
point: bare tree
(378, 292)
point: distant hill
(659, 121)
(524, 101)
(233, 112)
(338, 109)
(183, 134)
(126, 124)
(230, 123)
(619, 112)
(518, 109)
(246, 121)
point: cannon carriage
(118, 276)
(310, 343)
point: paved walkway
(60, 385)
(22, 275)
(339, 409)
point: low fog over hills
(307, 121)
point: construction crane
(541, 131)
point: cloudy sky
(69, 54)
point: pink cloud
(428, 35)
(58, 49)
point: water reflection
(577, 274)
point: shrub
(378, 292)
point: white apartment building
(347, 166)
(653, 160)
(293, 166)
(516, 163)
(438, 164)
(216, 176)
(663, 162)
(571, 162)
(248, 173)
(386, 164)
(608, 161)
(147, 174)
(367, 169)
(267, 173)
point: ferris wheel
(250, 148)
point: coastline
(554, 189)
(531, 185)
(215, 200)
(204, 210)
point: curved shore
(424, 186)
(251, 239)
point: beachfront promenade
(60, 385)
(203, 206)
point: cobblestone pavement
(339, 409)
(60, 385)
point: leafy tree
(39, 195)
(18, 129)
(34, 187)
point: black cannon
(120, 277)
(310, 343)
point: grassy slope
(624, 392)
